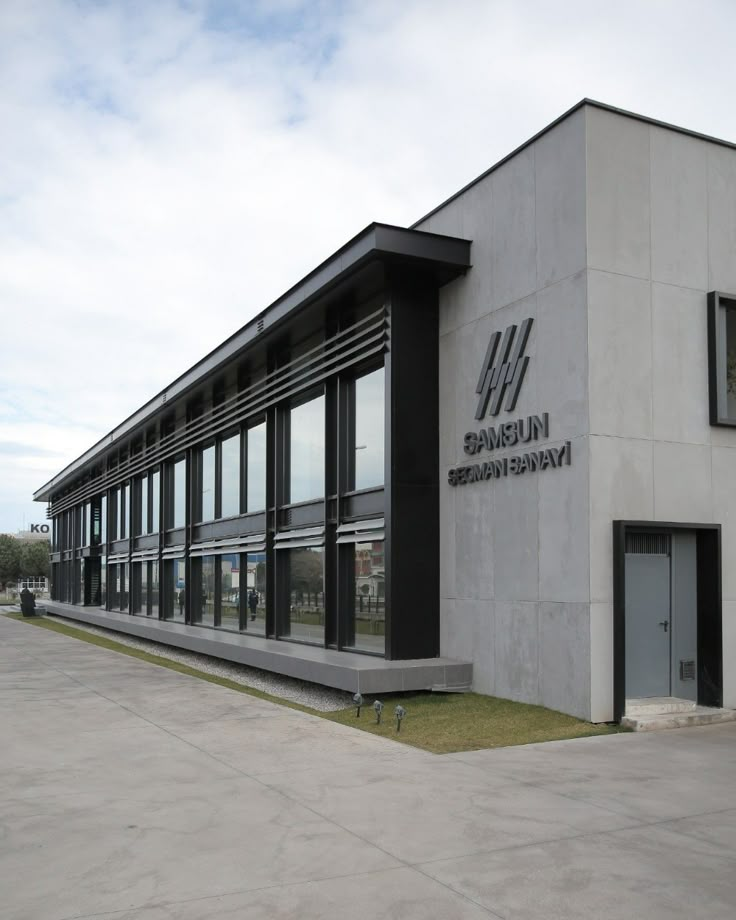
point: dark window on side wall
(722, 358)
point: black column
(412, 469)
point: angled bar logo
(504, 367)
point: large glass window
(230, 591)
(153, 588)
(307, 451)
(138, 588)
(256, 478)
(122, 512)
(141, 505)
(87, 538)
(304, 615)
(179, 493)
(366, 626)
(207, 494)
(103, 581)
(204, 577)
(123, 575)
(369, 430)
(113, 591)
(255, 615)
(103, 520)
(155, 500)
(175, 589)
(230, 503)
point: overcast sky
(167, 169)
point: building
(528, 397)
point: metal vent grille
(687, 670)
(650, 544)
(260, 324)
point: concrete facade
(609, 231)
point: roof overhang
(443, 257)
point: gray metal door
(684, 616)
(647, 625)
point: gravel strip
(323, 699)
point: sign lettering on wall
(502, 375)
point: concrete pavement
(129, 791)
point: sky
(168, 169)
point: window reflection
(307, 451)
(255, 620)
(230, 591)
(155, 500)
(304, 616)
(175, 589)
(203, 590)
(179, 498)
(256, 478)
(207, 503)
(369, 430)
(367, 621)
(231, 476)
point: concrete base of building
(657, 713)
(342, 670)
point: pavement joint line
(276, 887)
(584, 834)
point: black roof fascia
(592, 103)
(448, 256)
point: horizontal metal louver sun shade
(295, 539)
(648, 544)
(366, 337)
(253, 543)
(370, 531)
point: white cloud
(167, 169)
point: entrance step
(654, 705)
(668, 712)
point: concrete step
(699, 715)
(656, 705)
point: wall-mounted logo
(503, 370)
(502, 375)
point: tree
(10, 559)
(34, 558)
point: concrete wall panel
(620, 355)
(679, 207)
(564, 658)
(721, 219)
(618, 194)
(517, 651)
(514, 244)
(682, 482)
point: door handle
(665, 624)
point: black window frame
(717, 302)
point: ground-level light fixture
(399, 712)
(358, 700)
(378, 709)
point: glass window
(722, 345)
(369, 430)
(87, 524)
(123, 575)
(307, 451)
(142, 505)
(204, 576)
(122, 509)
(207, 495)
(256, 480)
(155, 500)
(230, 503)
(103, 519)
(179, 497)
(138, 588)
(255, 567)
(230, 591)
(366, 627)
(153, 588)
(103, 581)
(304, 617)
(175, 589)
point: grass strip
(441, 723)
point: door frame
(709, 608)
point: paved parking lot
(130, 791)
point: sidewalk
(131, 791)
